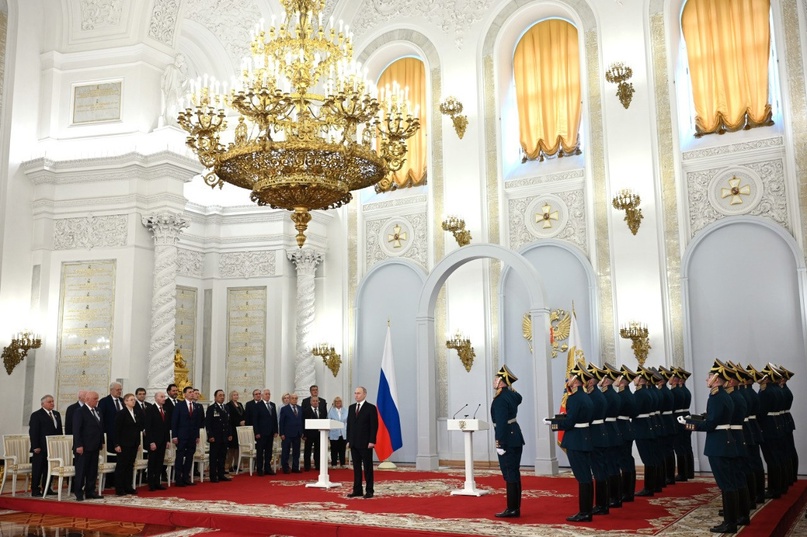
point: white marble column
(165, 228)
(306, 261)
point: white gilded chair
(200, 457)
(141, 462)
(170, 460)
(104, 467)
(246, 446)
(60, 462)
(17, 455)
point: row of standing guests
(600, 426)
(118, 422)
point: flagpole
(387, 464)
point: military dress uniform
(757, 483)
(660, 429)
(789, 425)
(683, 437)
(509, 440)
(603, 442)
(720, 446)
(741, 464)
(644, 430)
(769, 422)
(614, 453)
(627, 412)
(577, 440)
(668, 418)
(219, 431)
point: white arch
(782, 233)
(427, 458)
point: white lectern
(323, 426)
(468, 427)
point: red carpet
(407, 503)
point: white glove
(500, 451)
(547, 421)
(681, 420)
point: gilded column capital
(305, 259)
(165, 227)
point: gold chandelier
(311, 127)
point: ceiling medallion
(735, 191)
(546, 216)
(397, 236)
(311, 127)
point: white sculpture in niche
(173, 83)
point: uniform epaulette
(714, 390)
(574, 390)
(729, 389)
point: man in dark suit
(68, 415)
(264, 424)
(186, 420)
(141, 404)
(314, 391)
(44, 422)
(291, 430)
(315, 410)
(128, 426)
(109, 406)
(362, 428)
(219, 434)
(88, 438)
(158, 435)
(249, 408)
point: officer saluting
(509, 440)
(721, 447)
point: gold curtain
(728, 46)
(546, 67)
(409, 73)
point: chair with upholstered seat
(17, 457)
(60, 462)
(200, 457)
(246, 446)
(170, 460)
(140, 464)
(104, 467)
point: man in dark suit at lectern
(362, 428)
(88, 437)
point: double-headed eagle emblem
(560, 324)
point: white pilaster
(306, 261)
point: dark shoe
(600, 510)
(130, 491)
(681, 478)
(509, 513)
(270, 472)
(744, 521)
(189, 483)
(286, 471)
(51, 492)
(580, 517)
(179, 484)
(296, 472)
(36, 493)
(225, 479)
(120, 493)
(214, 480)
(355, 494)
(159, 487)
(94, 497)
(725, 527)
(79, 497)
(368, 496)
(644, 492)
(260, 473)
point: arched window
(546, 68)
(728, 46)
(409, 73)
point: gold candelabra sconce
(462, 345)
(456, 226)
(628, 201)
(639, 336)
(21, 343)
(453, 108)
(619, 73)
(329, 356)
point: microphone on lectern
(460, 410)
(477, 410)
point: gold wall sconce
(619, 73)
(329, 357)
(456, 226)
(639, 336)
(628, 201)
(21, 343)
(453, 108)
(462, 345)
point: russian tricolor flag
(389, 436)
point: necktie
(294, 409)
(117, 403)
(358, 407)
(50, 415)
(316, 412)
(162, 414)
(95, 414)
(190, 409)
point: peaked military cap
(612, 372)
(627, 373)
(656, 376)
(739, 373)
(756, 375)
(785, 371)
(771, 371)
(595, 371)
(645, 373)
(579, 370)
(664, 372)
(722, 370)
(681, 373)
(506, 375)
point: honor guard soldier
(577, 438)
(769, 421)
(644, 431)
(614, 452)
(627, 412)
(683, 437)
(660, 427)
(667, 411)
(509, 440)
(720, 446)
(741, 466)
(789, 426)
(756, 485)
(601, 441)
